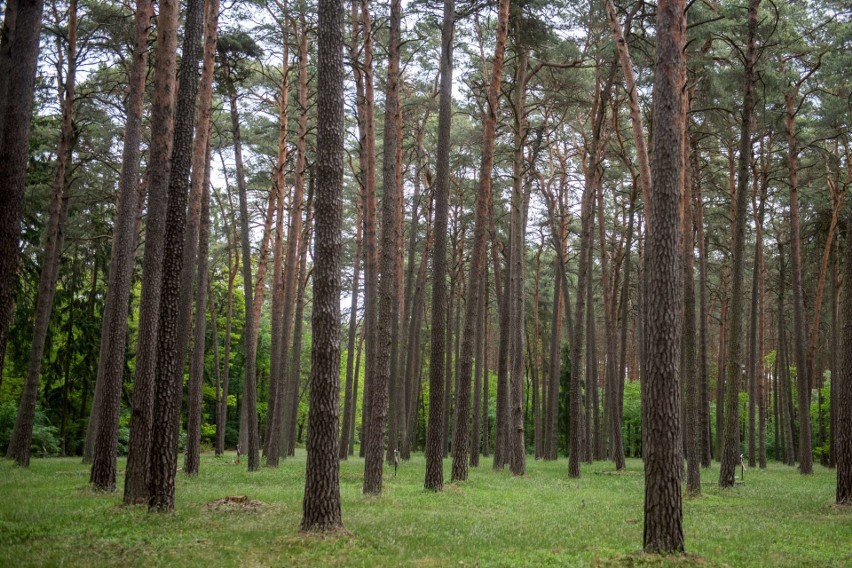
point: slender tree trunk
(704, 380)
(195, 399)
(843, 390)
(371, 260)
(286, 391)
(730, 451)
(233, 269)
(277, 349)
(19, 445)
(349, 392)
(799, 324)
(321, 506)
(434, 479)
(388, 285)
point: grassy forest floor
(49, 516)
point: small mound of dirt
(235, 503)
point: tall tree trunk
(288, 439)
(388, 285)
(18, 64)
(517, 461)
(843, 390)
(730, 451)
(19, 445)
(286, 391)
(196, 244)
(159, 168)
(321, 506)
(434, 479)
(371, 257)
(704, 379)
(689, 374)
(349, 392)
(663, 508)
(171, 335)
(800, 332)
(276, 349)
(233, 269)
(195, 399)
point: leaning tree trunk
(168, 383)
(19, 446)
(321, 505)
(159, 167)
(663, 509)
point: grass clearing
(49, 516)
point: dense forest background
(564, 122)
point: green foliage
(45, 436)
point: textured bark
(276, 348)
(799, 324)
(663, 509)
(18, 65)
(479, 410)
(286, 391)
(159, 168)
(434, 479)
(517, 461)
(388, 285)
(704, 380)
(288, 438)
(196, 244)
(233, 269)
(552, 417)
(371, 254)
(321, 506)
(689, 372)
(755, 347)
(730, 450)
(535, 363)
(249, 344)
(168, 383)
(843, 389)
(122, 257)
(19, 445)
(349, 399)
(461, 432)
(195, 398)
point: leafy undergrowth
(48, 516)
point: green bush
(45, 441)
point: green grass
(49, 517)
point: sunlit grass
(49, 516)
